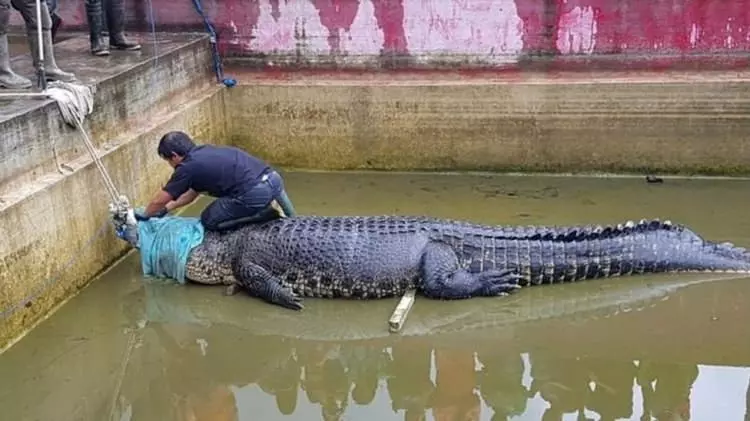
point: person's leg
(116, 26)
(227, 213)
(28, 11)
(94, 17)
(8, 78)
(52, 6)
(105, 19)
(279, 193)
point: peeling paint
(483, 31)
(576, 31)
(695, 33)
(490, 29)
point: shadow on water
(659, 347)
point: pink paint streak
(488, 31)
(390, 17)
(336, 16)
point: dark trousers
(52, 6)
(227, 213)
(28, 12)
(105, 15)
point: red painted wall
(463, 31)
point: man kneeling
(244, 185)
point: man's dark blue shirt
(219, 171)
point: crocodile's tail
(720, 257)
(547, 255)
(680, 249)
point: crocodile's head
(126, 226)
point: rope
(218, 67)
(75, 102)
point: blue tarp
(165, 244)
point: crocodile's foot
(499, 282)
(290, 300)
(231, 290)
(295, 303)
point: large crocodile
(285, 259)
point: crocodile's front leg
(259, 282)
(231, 289)
(443, 278)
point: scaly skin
(375, 257)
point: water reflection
(412, 380)
(189, 366)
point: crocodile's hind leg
(259, 282)
(443, 278)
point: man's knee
(223, 216)
(209, 223)
(214, 214)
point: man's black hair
(175, 142)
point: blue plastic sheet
(165, 244)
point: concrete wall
(654, 33)
(50, 253)
(35, 134)
(444, 123)
(57, 236)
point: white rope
(75, 103)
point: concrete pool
(130, 348)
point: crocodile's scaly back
(380, 256)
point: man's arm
(158, 202)
(177, 186)
(186, 199)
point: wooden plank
(398, 318)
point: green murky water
(665, 347)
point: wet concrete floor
(659, 347)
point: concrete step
(129, 85)
(57, 236)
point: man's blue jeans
(255, 206)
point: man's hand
(141, 216)
(157, 204)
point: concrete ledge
(57, 233)
(677, 123)
(129, 85)
(58, 238)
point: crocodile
(371, 257)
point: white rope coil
(75, 101)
